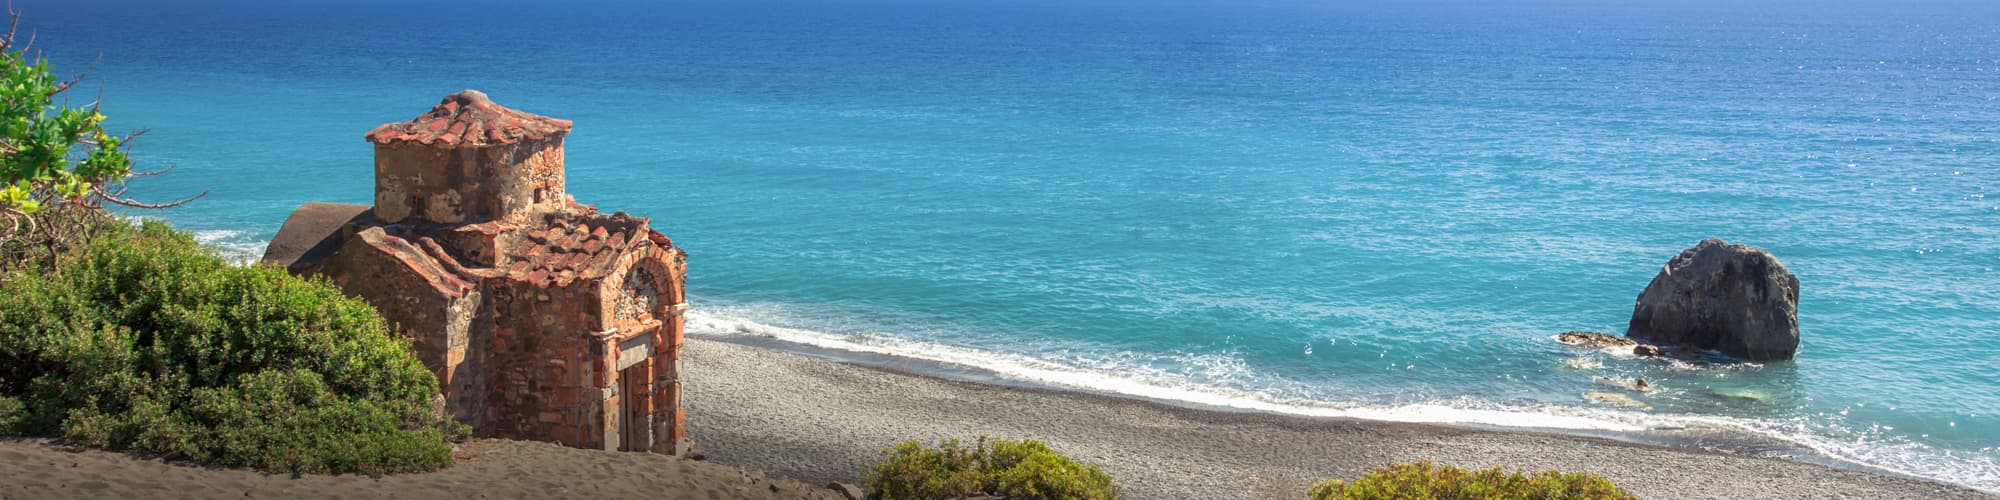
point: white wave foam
(236, 246)
(1978, 470)
(1136, 379)
(1581, 363)
(1158, 385)
(1125, 375)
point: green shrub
(1025, 469)
(1424, 480)
(12, 413)
(141, 340)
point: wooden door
(635, 420)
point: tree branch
(78, 78)
(136, 173)
(115, 200)
(13, 27)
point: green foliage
(912, 472)
(145, 341)
(51, 150)
(58, 166)
(12, 413)
(1025, 469)
(1423, 480)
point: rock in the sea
(1617, 399)
(1593, 339)
(1732, 298)
(1635, 385)
(1597, 340)
(1738, 394)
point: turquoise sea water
(1380, 210)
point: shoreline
(1722, 439)
(780, 424)
(819, 417)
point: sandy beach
(34, 470)
(818, 420)
(775, 424)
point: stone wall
(453, 185)
(543, 382)
(435, 307)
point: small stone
(1636, 385)
(849, 491)
(689, 448)
(1646, 350)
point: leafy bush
(11, 414)
(58, 165)
(141, 340)
(52, 151)
(1024, 469)
(1424, 480)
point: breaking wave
(237, 246)
(1791, 440)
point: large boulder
(1731, 298)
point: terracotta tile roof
(567, 250)
(469, 119)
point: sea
(1369, 209)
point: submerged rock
(1737, 395)
(1582, 363)
(1731, 298)
(1594, 339)
(1634, 385)
(1616, 399)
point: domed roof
(468, 119)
